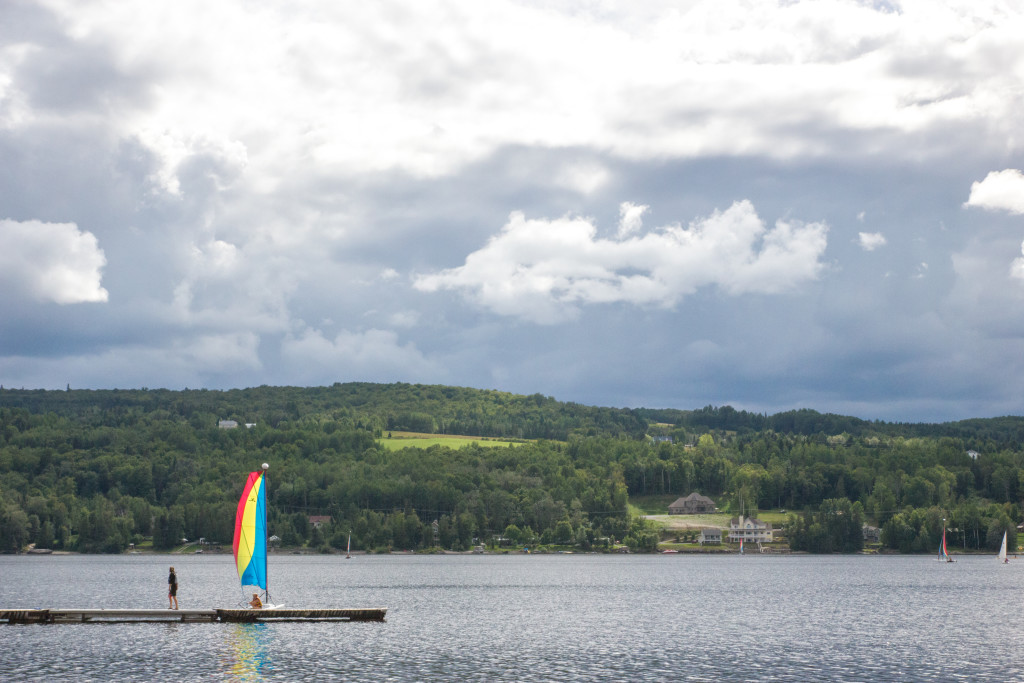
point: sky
(769, 205)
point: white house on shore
(749, 530)
(710, 535)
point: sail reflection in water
(249, 654)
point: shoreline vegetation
(707, 550)
(421, 467)
(731, 549)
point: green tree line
(93, 471)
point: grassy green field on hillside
(674, 522)
(394, 441)
(655, 508)
(658, 505)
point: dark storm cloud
(266, 187)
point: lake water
(532, 618)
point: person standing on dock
(172, 590)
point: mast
(266, 533)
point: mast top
(266, 467)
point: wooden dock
(78, 616)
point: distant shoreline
(495, 553)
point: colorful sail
(943, 552)
(250, 543)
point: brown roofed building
(693, 504)
(318, 521)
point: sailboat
(250, 543)
(943, 555)
(348, 549)
(1002, 551)
(741, 546)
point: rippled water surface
(533, 618)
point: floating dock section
(78, 616)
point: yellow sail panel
(250, 544)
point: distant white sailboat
(348, 550)
(1002, 551)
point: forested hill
(475, 412)
(357, 405)
(93, 471)
(1004, 432)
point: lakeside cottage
(749, 530)
(318, 521)
(693, 504)
(709, 535)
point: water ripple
(530, 618)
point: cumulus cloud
(1000, 190)
(543, 269)
(449, 83)
(585, 178)
(630, 218)
(51, 261)
(405, 319)
(869, 241)
(247, 167)
(1017, 267)
(193, 157)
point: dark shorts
(172, 589)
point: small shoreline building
(317, 521)
(710, 535)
